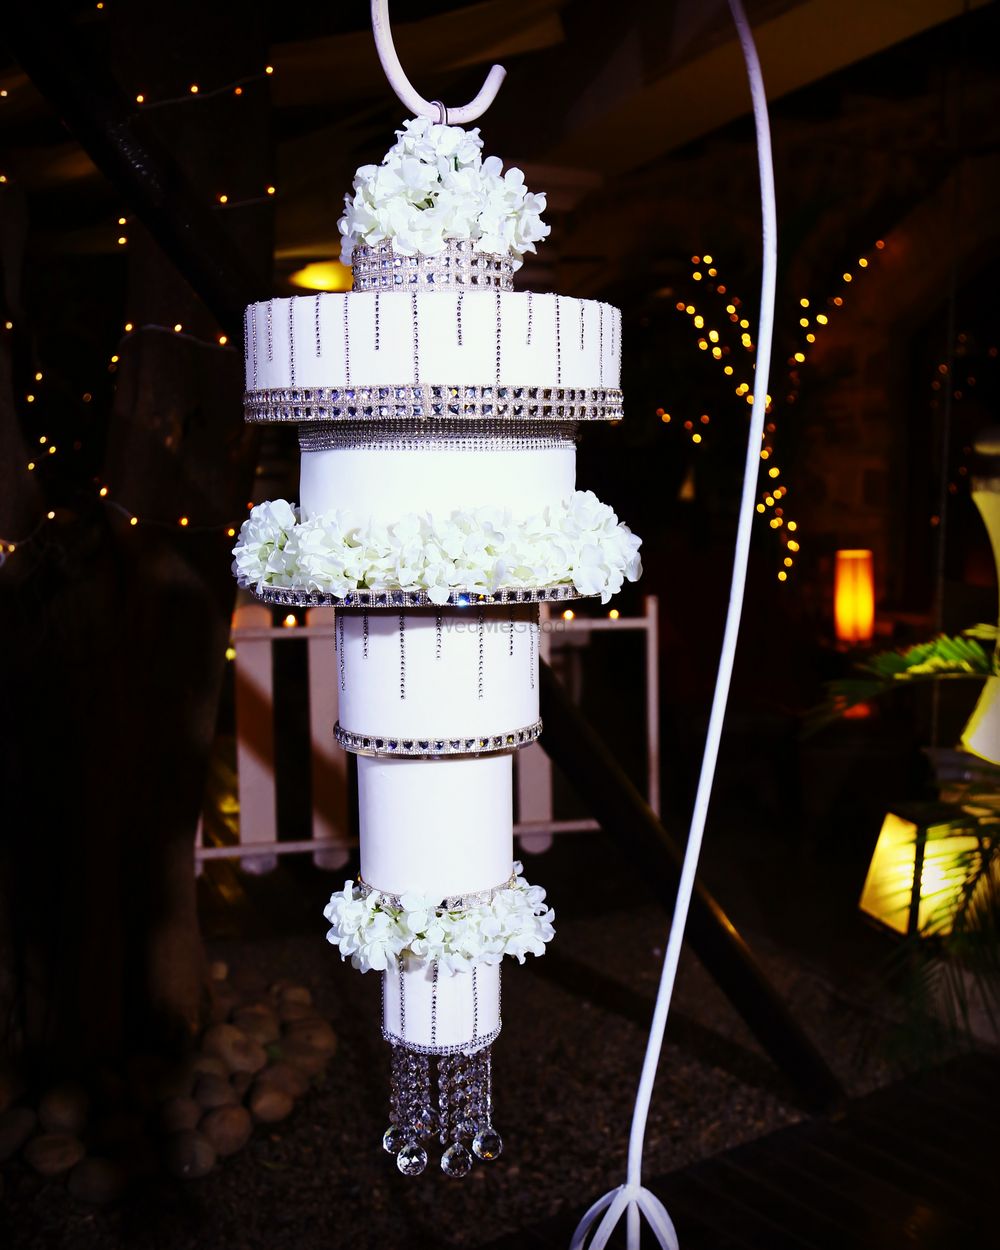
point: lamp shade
(854, 596)
(926, 859)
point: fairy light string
(724, 335)
(46, 449)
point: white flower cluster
(434, 185)
(373, 934)
(578, 542)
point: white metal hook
(402, 86)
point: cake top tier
(436, 206)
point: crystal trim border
(458, 265)
(434, 402)
(481, 436)
(293, 597)
(451, 902)
(399, 745)
(472, 1047)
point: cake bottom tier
(429, 1010)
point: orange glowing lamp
(854, 597)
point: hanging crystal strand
(412, 1157)
(487, 1143)
(456, 1160)
(444, 1093)
(395, 1136)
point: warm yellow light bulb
(614, 614)
(707, 259)
(183, 521)
(133, 520)
(103, 492)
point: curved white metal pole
(631, 1199)
(402, 86)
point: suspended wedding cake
(438, 412)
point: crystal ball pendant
(393, 1139)
(456, 1160)
(412, 1159)
(487, 1144)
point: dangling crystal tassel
(443, 1096)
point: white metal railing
(563, 639)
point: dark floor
(565, 1070)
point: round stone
(487, 1145)
(412, 1159)
(456, 1161)
(393, 1139)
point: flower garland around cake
(434, 185)
(578, 542)
(373, 933)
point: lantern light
(854, 596)
(926, 857)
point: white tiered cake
(438, 413)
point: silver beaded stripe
(458, 264)
(402, 998)
(319, 341)
(451, 902)
(434, 402)
(384, 745)
(416, 339)
(457, 1048)
(291, 340)
(293, 597)
(499, 336)
(479, 438)
(434, 1003)
(347, 349)
(364, 634)
(481, 631)
(438, 635)
(600, 376)
(558, 346)
(528, 339)
(253, 341)
(402, 655)
(340, 631)
(583, 308)
(458, 316)
(246, 338)
(377, 323)
(531, 652)
(270, 330)
(510, 624)
(475, 1001)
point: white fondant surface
(478, 682)
(440, 827)
(457, 1021)
(383, 485)
(306, 341)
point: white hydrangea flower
(433, 185)
(372, 934)
(579, 542)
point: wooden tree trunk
(118, 632)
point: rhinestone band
(435, 403)
(457, 1048)
(453, 902)
(293, 597)
(396, 745)
(479, 436)
(378, 268)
